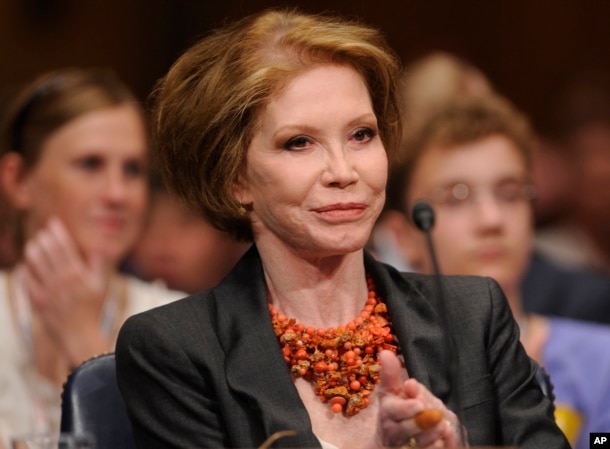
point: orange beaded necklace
(343, 362)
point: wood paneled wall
(521, 45)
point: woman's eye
(90, 162)
(297, 143)
(364, 134)
(134, 169)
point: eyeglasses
(505, 193)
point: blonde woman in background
(74, 161)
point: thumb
(392, 374)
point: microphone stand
(423, 216)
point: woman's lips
(342, 211)
(110, 224)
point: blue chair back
(92, 404)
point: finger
(65, 244)
(391, 379)
(415, 389)
(35, 261)
(50, 252)
(34, 288)
(443, 435)
(430, 436)
(399, 408)
(437, 443)
(397, 433)
(452, 432)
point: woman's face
(316, 167)
(91, 174)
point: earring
(241, 209)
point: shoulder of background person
(550, 288)
(143, 295)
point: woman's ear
(408, 239)
(13, 180)
(240, 192)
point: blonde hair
(433, 80)
(206, 108)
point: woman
(74, 157)
(278, 129)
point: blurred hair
(460, 121)
(206, 109)
(432, 80)
(53, 100)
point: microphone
(422, 215)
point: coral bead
(337, 408)
(341, 362)
(320, 367)
(338, 400)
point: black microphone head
(423, 216)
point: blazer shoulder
(453, 285)
(460, 294)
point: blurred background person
(574, 223)
(179, 247)
(471, 160)
(548, 287)
(425, 86)
(428, 82)
(73, 163)
(8, 245)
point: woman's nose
(339, 170)
(116, 186)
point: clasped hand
(401, 403)
(66, 291)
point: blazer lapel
(417, 326)
(256, 371)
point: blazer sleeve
(155, 366)
(525, 414)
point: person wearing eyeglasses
(471, 161)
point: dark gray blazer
(207, 372)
